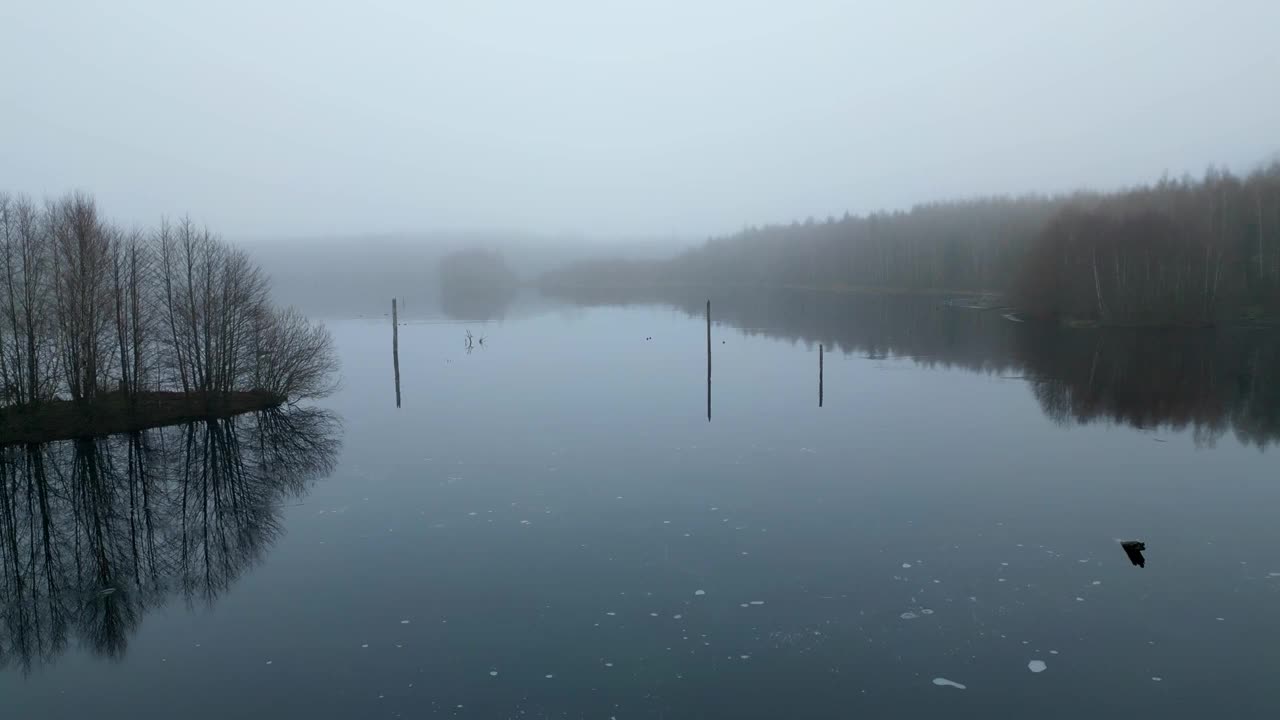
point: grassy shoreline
(115, 413)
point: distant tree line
(1177, 252)
(89, 308)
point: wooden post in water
(819, 374)
(395, 346)
(708, 361)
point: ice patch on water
(611, 614)
(549, 676)
(1037, 666)
(365, 645)
(404, 622)
(1079, 599)
(908, 615)
(1097, 582)
(608, 664)
(926, 611)
(906, 565)
(757, 602)
(699, 592)
(653, 614)
(676, 617)
(1053, 652)
(1157, 679)
(268, 662)
(943, 682)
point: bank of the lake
(116, 413)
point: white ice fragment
(926, 611)
(677, 617)
(757, 602)
(699, 592)
(908, 615)
(1097, 582)
(493, 673)
(365, 645)
(1037, 666)
(404, 622)
(943, 682)
(906, 565)
(1157, 679)
(549, 676)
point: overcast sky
(654, 117)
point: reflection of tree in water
(1206, 381)
(1210, 381)
(878, 326)
(480, 304)
(94, 533)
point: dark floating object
(1133, 549)
(649, 338)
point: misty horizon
(654, 120)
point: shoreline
(114, 413)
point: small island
(104, 330)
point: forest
(93, 315)
(1178, 252)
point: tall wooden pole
(708, 361)
(819, 374)
(395, 346)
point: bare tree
(86, 308)
(82, 291)
(27, 359)
(294, 358)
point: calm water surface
(550, 527)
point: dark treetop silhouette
(1179, 252)
(96, 320)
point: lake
(550, 526)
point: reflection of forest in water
(1210, 381)
(94, 533)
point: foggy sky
(604, 118)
